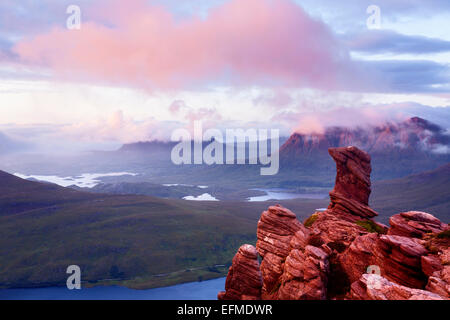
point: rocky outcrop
(352, 188)
(340, 224)
(430, 264)
(244, 279)
(342, 252)
(439, 281)
(276, 228)
(397, 257)
(375, 287)
(305, 275)
(414, 224)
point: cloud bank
(240, 42)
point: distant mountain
(147, 146)
(415, 134)
(397, 149)
(437, 115)
(428, 191)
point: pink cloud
(349, 117)
(242, 42)
(119, 127)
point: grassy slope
(153, 241)
(142, 236)
(428, 191)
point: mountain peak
(413, 134)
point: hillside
(428, 191)
(144, 241)
(18, 195)
(138, 241)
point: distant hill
(397, 149)
(147, 146)
(18, 195)
(428, 191)
(413, 135)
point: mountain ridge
(415, 134)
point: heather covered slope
(144, 241)
(428, 191)
(139, 241)
(18, 195)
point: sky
(138, 69)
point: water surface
(86, 180)
(280, 194)
(204, 290)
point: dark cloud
(386, 41)
(408, 76)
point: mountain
(147, 146)
(412, 135)
(428, 191)
(397, 149)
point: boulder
(414, 224)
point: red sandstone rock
(276, 228)
(305, 275)
(296, 260)
(244, 279)
(415, 224)
(375, 287)
(352, 188)
(439, 282)
(335, 230)
(336, 227)
(399, 259)
(430, 264)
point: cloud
(277, 98)
(238, 43)
(361, 116)
(387, 41)
(241, 42)
(120, 128)
(351, 14)
(409, 75)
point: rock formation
(342, 253)
(244, 279)
(414, 224)
(375, 287)
(275, 230)
(399, 258)
(305, 275)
